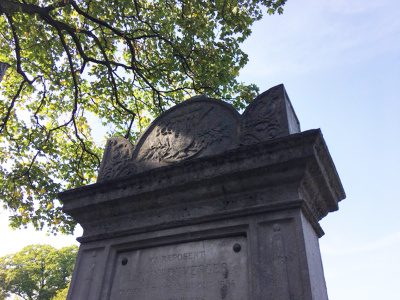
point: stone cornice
(264, 176)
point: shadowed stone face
(208, 269)
(200, 127)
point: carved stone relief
(279, 248)
(267, 117)
(199, 127)
(117, 159)
(186, 134)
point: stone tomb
(209, 205)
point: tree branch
(11, 106)
(17, 48)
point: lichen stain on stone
(224, 287)
(224, 291)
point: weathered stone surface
(200, 127)
(299, 162)
(221, 210)
(269, 116)
(209, 269)
(117, 159)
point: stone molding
(293, 171)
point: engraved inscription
(203, 270)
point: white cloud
(319, 35)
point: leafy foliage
(119, 64)
(61, 294)
(36, 272)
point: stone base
(273, 255)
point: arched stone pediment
(198, 127)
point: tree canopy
(37, 272)
(119, 64)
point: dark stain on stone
(225, 273)
(224, 291)
(224, 286)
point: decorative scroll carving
(117, 159)
(198, 127)
(269, 116)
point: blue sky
(340, 63)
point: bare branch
(11, 106)
(76, 95)
(17, 48)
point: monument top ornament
(199, 127)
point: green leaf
(37, 272)
(128, 60)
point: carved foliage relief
(117, 159)
(197, 130)
(264, 119)
(198, 127)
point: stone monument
(208, 205)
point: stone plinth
(226, 209)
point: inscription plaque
(202, 270)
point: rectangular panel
(88, 276)
(279, 264)
(202, 270)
